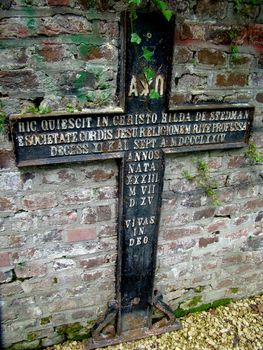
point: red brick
(4, 260)
(15, 80)
(88, 53)
(256, 34)
(225, 283)
(100, 174)
(60, 218)
(215, 163)
(219, 35)
(107, 230)
(77, 196)
(7, 159)
(106, 193)
(51, 52)
(194, 31)
(211, 57)
(57, 24)
(103, 213)
(211, 8)
(231, 79)
(108, 28)
(254, 204)
(30, 271)
(236, 161)
(204, 213)
(241, 220)
(240, 177)
(180, 99)
(217, 225)
(182, 55)
(89, 216)
(58, 2)
(204, 242)
(171, 234)
(92, 262)
(89, 277)
(232, 259)
(13, 27)
(81, 234)
(6, 204)
(241, 60)
(238, 234)
(39, 201)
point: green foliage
(40, 110)
(135, 38)
(234, 51)
(194, 301)
(45, 320)
(253, 154)
(69, 108)
(135, 2)
(238, 4)
(32, 109)
(147, 54)
(203, 180)
(44, 110)
(186, 175)
(162, 5)
(233, 34)
(149, 73)
(74, 331)
(154, 95)
(133, 15)
(222, 302)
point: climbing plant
(238, 4)
(147, 54)
(161, 5)
(253, 154)
(203, 179)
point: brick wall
(58, 223)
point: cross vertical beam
(143, 169)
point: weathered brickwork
(58, 224)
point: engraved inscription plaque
(140, 136)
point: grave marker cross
(140, 137)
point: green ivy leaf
(149, 73)
(133, 15)
(167, 14)
(154, 95)
(32, 109)
(147, 54)
(161, 4)
(135, 38)
(69, 108)
(45, 110)
(135, 2)
(164, 9)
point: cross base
(131, 336)
(104, 332)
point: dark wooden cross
(140, 136)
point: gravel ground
(238, 326)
